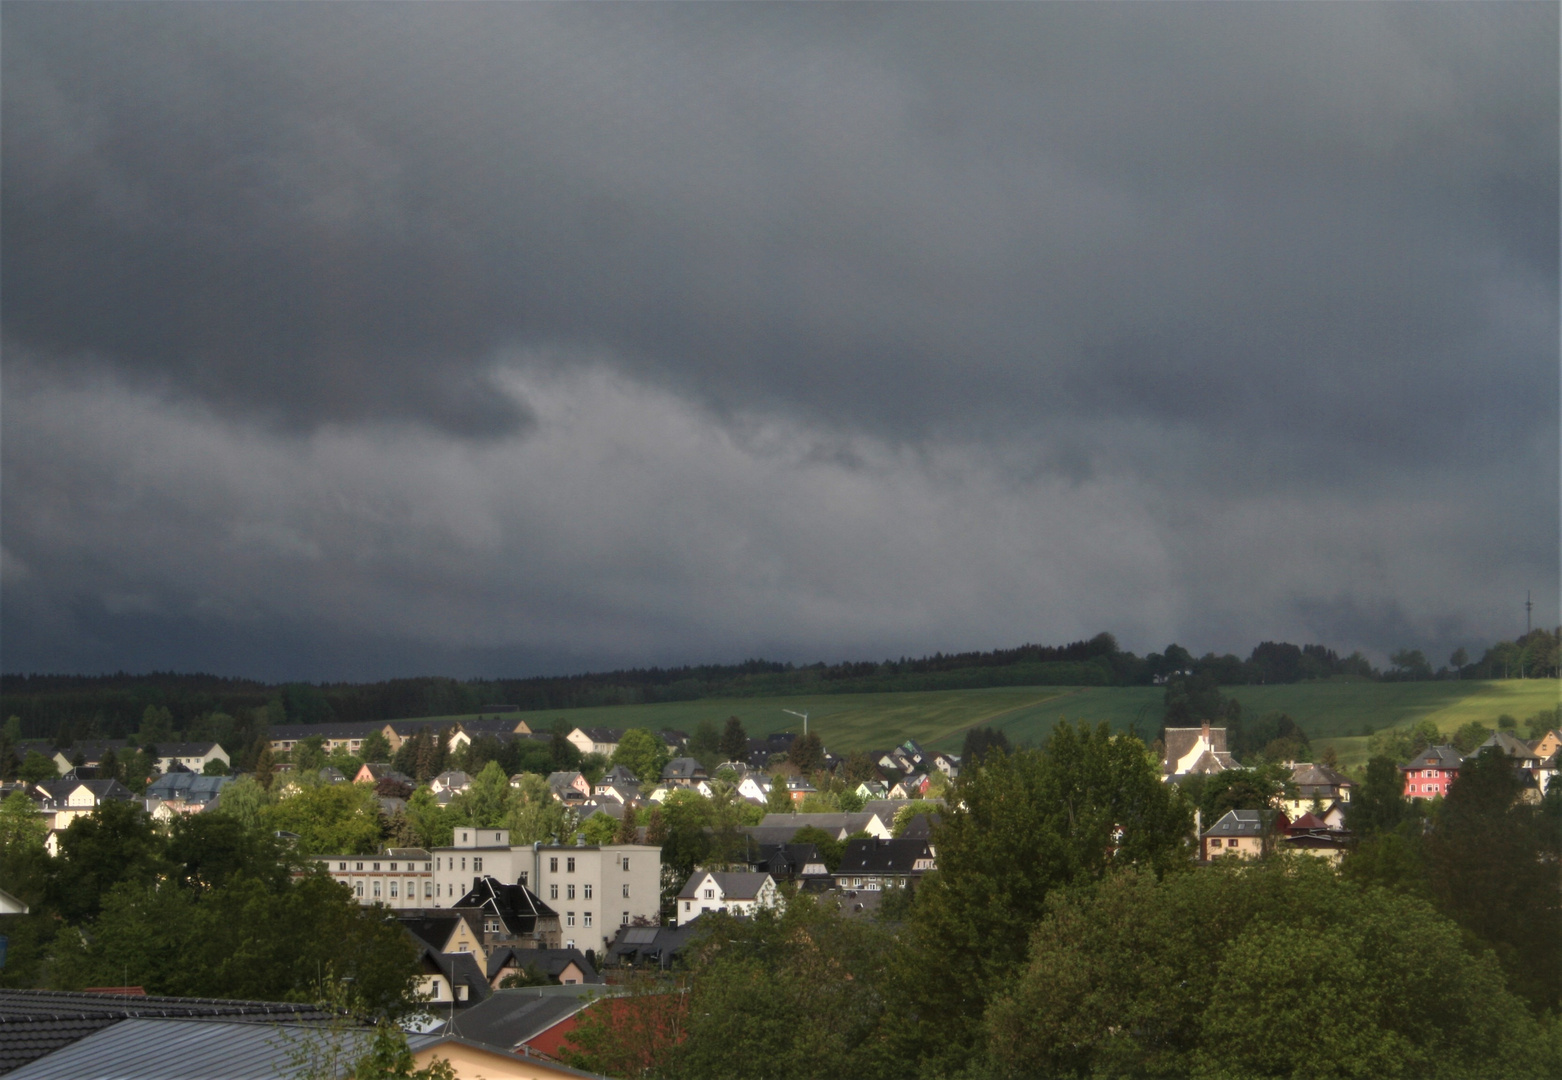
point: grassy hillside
(1333, 713)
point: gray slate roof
(189, 786)
(38, 1022)
(1238, 823)
(1435, 757)
(734, 884)
(511, 1017)
(839, 826)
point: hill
(1340, 714)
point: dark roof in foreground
(511, 1017)
(34, 1023)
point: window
(626, 919)
(587, 919)
(393, 868)
(428, 888)
(688, 905)
(437, 863)
(588, 892)
(376, 866)
(569, 864)
(393, 890)
(358, 889)
(342, 866)
(463, 862)
(569, 892)
(710, 894)
(428, 866)
(490, 926)
(553, 892)
(522, 879)
(626, 891)
(360, 866)
(412, 890)
(569, 918)
(553, 866)
(626, 864)
(477, 864)
(1214, 842)
(376, 888)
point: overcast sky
(353, 341)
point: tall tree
(643, 754)
(734, 740)
(806, 753)
(1019, 827)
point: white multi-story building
(397, 877)
(595, 890)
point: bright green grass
(1333, 713)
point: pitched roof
(192, 787)
(61, 789)
(734, 884)
(883, 856)
(353, 730)
(518, 906)
(683, 768)
(551, 962)
(38, 1022)
(1512, 746)
(511, 1017)
(433, 927)
(185, 749)
(1181, 741)
(1308, 775)
(1435, 757)
(1238, 823)
(839, 824)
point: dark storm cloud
(1266, 291)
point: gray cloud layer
(351, 339)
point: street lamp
(803, 715)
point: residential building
(565, 967)
(1317, 787)
(883, 864)
(790, 862)
(1548, 744)
(67, 799)
(512, 916)
(183, 793)
(593, 889)
(374, 772)
(1429, 774)
(839, 825)
(1312, 835)
(189, 755)
(596, 740)
(738, 892)
(397, 877)
(569, 786)
(683, 772)
(91, 752)
(1239, 833)
(452, 780)
(1196, 751)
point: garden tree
(214, 767)
(1022, 825)
(405, 759)
(1469, 736)
(252, 938)
(1507, 723)
(778, 800)
(734, 740)
(643, 754)
(634, 1034)
(210, 850)
(1199, 974)
(157, 725)
(807, 753)
(329, 819)
(534, 814)
(429, 822)
(904, 815)
(486, 802)
(829, 848)
(1236, 789)
(795, 994)
(705, 744)
(728, 815)
(1537, 726)
(850, 801)
(1379, 804)
(566, 755)
(1492, 866)
(599, 829)
(375, 747)
(308, 754)
(860, 768)
(937, 785)
(141, 768)
(688, 816)
(656, 827)
(628, 830)
(981, 741)
(592, 766)
(244, 800)
(344, 762)
(820, 802)
(265, 768)
(36, 768)
(115, 843)
(432, 751)
(21, 826)
(528, 756)
(1192, 699)
(1403, 743)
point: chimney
(1206, 731)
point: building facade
(397, 878)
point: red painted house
(1429, 773)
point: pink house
(1428, 774)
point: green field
(1332, 713)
